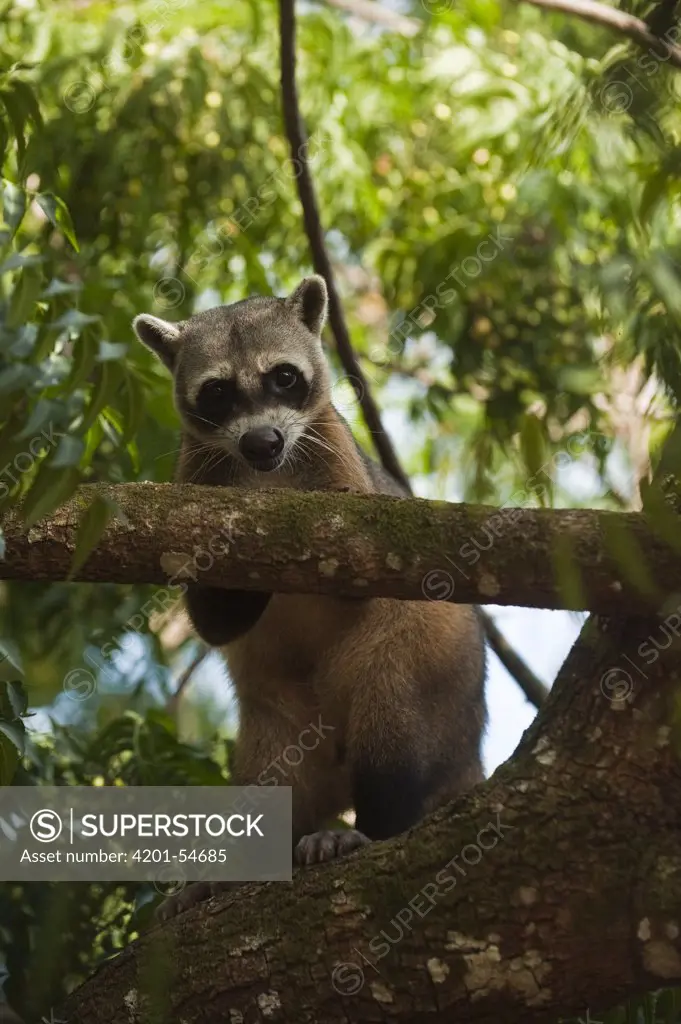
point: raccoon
(398, 686)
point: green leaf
(52, 487)
(105, 389)
(133, 408)
(17, 697)
(535, 453)
(25, 296)
(43, 412)
(9, 759)
(667, 284)
(69, 452)
(669, 1005)
(625, 551)
(567, 574)
(84, 352)
(17, 117)
(110, 350)
(661, 516)
(13, 208)
(15, 378)
(73, 319)
(19, 259)
(92, 526)
(24, 340)
(10, 656)
(57, 213)
(532, 442)
(16, 733)
(653, 191)
(57, 287)
(668, 459)
(23, 94)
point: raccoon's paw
(328, 845)
(188, 897)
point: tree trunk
(357, 546)
(552, 887)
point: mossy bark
(357, 546)
(576, 904)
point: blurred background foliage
(500, 192)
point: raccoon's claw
(324, 846)
(188, 897)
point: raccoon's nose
(261, 443)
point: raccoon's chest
(290, 642)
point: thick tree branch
(297, 137)
(618, 21)
(496, 909)
(354, 545)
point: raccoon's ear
(309, 303)
(160, 336)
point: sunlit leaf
(90, 530)
(69, 452)
(56, 212)
(25, 296)
(13, 207)
(51, 488)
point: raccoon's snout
(262, 446)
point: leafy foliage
(500, 195)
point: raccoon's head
(248, 377)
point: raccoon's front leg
(389, 797)
(220, 616)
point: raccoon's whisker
(314, 435)
(215, 457)
(173, 451)
(324, 448)
(308, 454)
(220, 460)
(203, 420)
(190, 448)
(324, 444)
(313, 457)
(305, 454)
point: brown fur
(349, 661)
(387, 678)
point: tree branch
(372, 417)
(369, 10)
(619, 21)
(643, 34)
(494, 909)
(185, 679)
(531, 685)
(297, 137)
(352, 545)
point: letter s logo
(46, 826)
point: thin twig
(529, 683)
(297, 140)
(369, 10)
(616, 20)
(297, 137)
(596, 13)
(184, 679)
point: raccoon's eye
(285, 376)
(215, 400)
